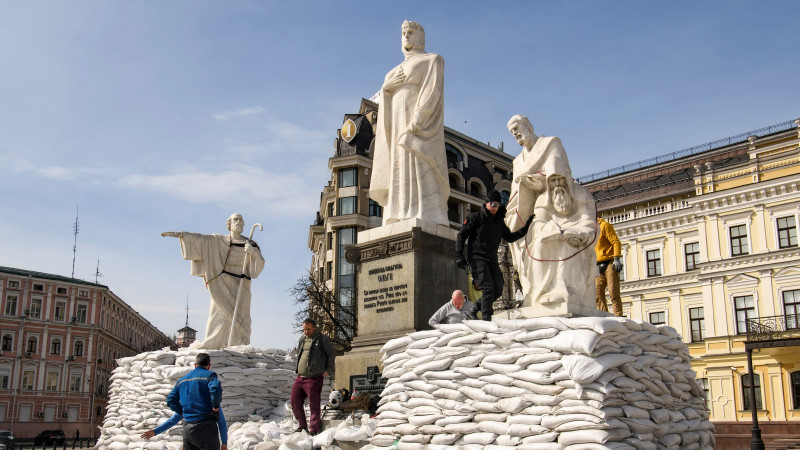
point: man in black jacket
(483, 230)
(315, 359)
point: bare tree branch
(333, 310)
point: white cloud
(243, 112)
(19, 165)
(285, 194)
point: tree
(333, 310)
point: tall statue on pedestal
(409, 169)
(227, 263)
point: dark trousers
(490, 279)
(203, 435)
(310, 388)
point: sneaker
(300, 429)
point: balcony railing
(648, 211)
(773, 327)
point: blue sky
(156, 116)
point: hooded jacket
(484, 233)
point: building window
(692, 253)
(504, 197)
(791, 308)
(5, 376)
(697, 324)
(329, 269)
(746, 405)
(345, 273)
(330, 240)
(80, 313)
(61, 291)
(476, 190)
(78, 350)
(658, 318)
(330, 209)
(8, 340)
(61, 308)
(455, 182)
(11, 305)
(36, 308)
(75, 382)
(55, 346)
(347, 205)
(13, 284)
(375, 209)
(453, 156)
(452, 212)
(745, 309)
(795, 380)
(787, 232)
(739, 243)
(51, 383)
(27, 380)
(32, 345)
(38, 287)
(653, 263)
(348, 177)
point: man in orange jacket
(608, 251)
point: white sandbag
(570, 341)
(583, 437)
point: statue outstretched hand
(177, 234)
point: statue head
(560, 197)
(235, 223)
(413, 37)
(522, 130)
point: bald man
(454, 311)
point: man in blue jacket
(172, 421)
(197, 397)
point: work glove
(617, 265)
(461, 263)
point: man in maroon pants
(314, 362)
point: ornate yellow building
(709, 237)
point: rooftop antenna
(187, 310)
(75, 243)
(97, 272)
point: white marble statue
(226, 263)
(540, 157)
(409, 169)
(561, 246)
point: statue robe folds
(559, 271)
(546, 157)
(409, 169)
(211, 254)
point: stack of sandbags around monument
(543, 383)
(254, 383)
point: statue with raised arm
(409, 169)
(227, 263)
(540, 157)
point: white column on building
(759, 229)
(777, 403)
(724, 318)
(634, 272)
(770, 306)
(674, 260)
(708, 308)
(712, 237)
(676, 318)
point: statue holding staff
(227, 263)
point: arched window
(55, 346)
(455, 182)
(746, 405)
(78, 348)
(453, 156)
(476, 189)
(32, 345)
(795, 378)
(7, 342)
(504, 197)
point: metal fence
(741, 137)
(773, 327)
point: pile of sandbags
(542, 383)
(256, 385)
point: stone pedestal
(405, 272)
(563, 309)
